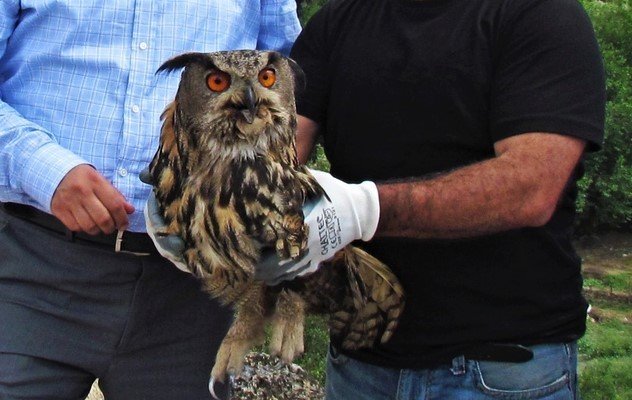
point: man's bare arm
(520, 187)
(306, 133)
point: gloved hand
(352, 212)
(169, 246)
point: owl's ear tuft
(297, 71)
(184, 60)
(299, 76)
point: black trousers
(71, 312)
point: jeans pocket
(548, 372)
(336, 357)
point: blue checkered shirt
(78, 83)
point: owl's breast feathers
(226, 204)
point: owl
(227, 180)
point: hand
(85, 201)
(170, 247)
(348, 212)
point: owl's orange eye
(267, 77)
(218, 81)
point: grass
(605, 365)
(606, 340)
(613, 282)
(606, 378)
(316, 345)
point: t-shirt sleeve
(311, 51)
(549, 74)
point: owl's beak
(250, 105)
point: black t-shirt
(410, 89)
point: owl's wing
(167, 157)
(362, 296)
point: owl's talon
(211, 388)
(294, 252)
(281, 249)
(229, 387)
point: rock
(268, 378)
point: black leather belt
(501, 352)
(121, 242)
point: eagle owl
(227, 180)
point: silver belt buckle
(119, 242)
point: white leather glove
(351, 212)
(170, 247)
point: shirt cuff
(45, 169)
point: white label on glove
(329, 230)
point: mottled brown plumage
(228, 181)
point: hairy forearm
(513, 190)
(519, 187)
(468, 202)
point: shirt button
(135, 108)
(122, 171)
(143, 45)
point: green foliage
(307, 8)
(605, 198)
(318, 159)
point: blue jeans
(550, 375)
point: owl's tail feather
(378, 300)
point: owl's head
(236, 96)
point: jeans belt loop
(458, 366)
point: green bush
(307, 8)
(605, 199)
